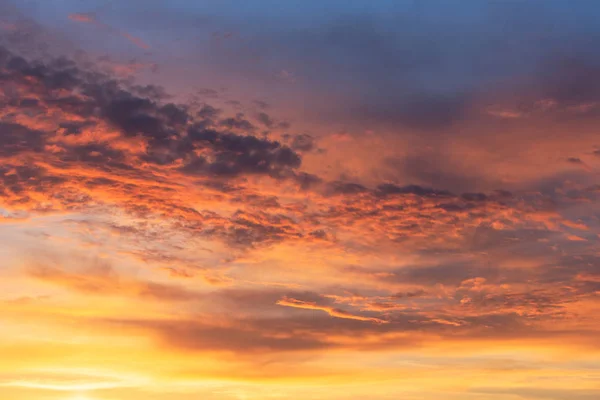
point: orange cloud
(102, 280)
(334, 312)
(164, 192)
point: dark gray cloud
(391, 189)
(260, 228)
(303, 142)
(409, 295)
(208, 112)
(170, 130)
(265, 119)
(16, 139)
(237, 122)
(347, 188)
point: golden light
(80, 396)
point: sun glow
(80, 396)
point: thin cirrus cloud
(90, 18)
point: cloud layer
(403, 206)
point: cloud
(303, 142)
(90, 18)
(152, 174)
(100, 279)
(82, 17)
(265, 119)
(286, 76)
(334, 312)
(143, 131)
(198, 336)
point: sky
(332, 200)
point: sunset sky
(285, 199)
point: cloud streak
(90, 18)
(334, 312)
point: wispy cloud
(334, 312)
(91, 18)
